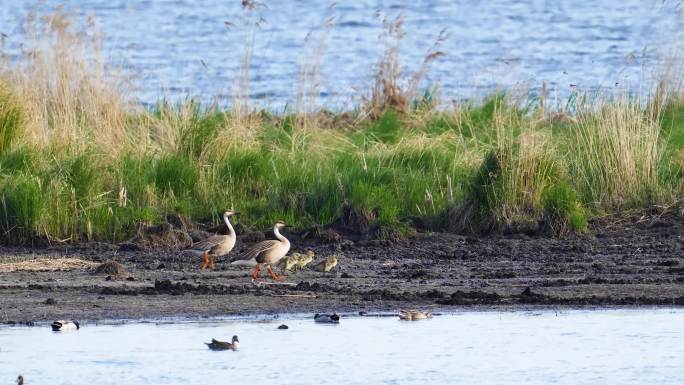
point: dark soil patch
(164, 236)
(111, 268)
(461, 298)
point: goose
(305, 259)
(267, 253)
(64, 325)
(327, 318)
(327, 265)
(413, 315)
(216, 245)
(222, 345)
(20, 380)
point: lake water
(568, 347)
(179, 47)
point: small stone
(50, 301)
(283, 327)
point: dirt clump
(462, 298)
(111, 268)
(164, 236)
(355, 224)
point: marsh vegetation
(80, 159)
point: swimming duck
(414, 315)
(305, 259)
(327, 318)
(327, 265)
(63, 325)
(216, 245)
(222, 345)
(267, 252)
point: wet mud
(631, 261)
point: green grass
(481, 168)
(11, 119)
(81, 160)
(562, 210)
(20, 208)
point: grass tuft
(562, 210)
(12, 119)
(20, 208)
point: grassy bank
(80, 161)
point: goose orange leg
(275, 276)
(205, 261)
(255, 272)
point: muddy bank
(621, 262)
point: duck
(64, 325)
(413, 315)
(305, 259)
(327, 265)
(216, 245)
(222, 345)
(266, 253)
(327, 318)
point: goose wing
(209, 243)
(257, 249)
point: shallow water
(569, 347)
(183, 45)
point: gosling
(327, 265)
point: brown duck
(222, 345)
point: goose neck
(231, 231)
(278, 235)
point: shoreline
(634, 265)
(298, 316)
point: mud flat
(629, 262)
